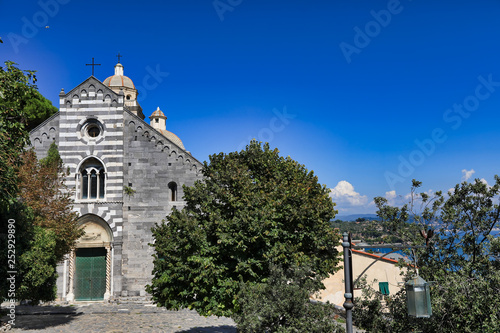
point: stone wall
(151, 162)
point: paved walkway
(115, 318)
(112, 318)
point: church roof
(119, 80)
(158, 113)
(169, 135)
(172, 137)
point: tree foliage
(33, 259)
(37, 109)
(22, 108)
(16, 87)
(282, 304)
(462, 260)
(37, 267)
(253, 209)
(45, 226)
(32, 195)
(42, 189)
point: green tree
(282, 304)
(37, 109)
(45, 227)
(16, 87)
(42, 189)
(31, 219)
(33, 258)
(22, 108)
(462, 260)
(253, 209)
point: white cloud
(344, 195)
(390, 194)
(466, 174)
(397, 200)
(391, 197)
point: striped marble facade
(133, 154)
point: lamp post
(417, 289)
(348, 305)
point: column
(107, 294)
(77, 186)
(71, 296)
(65, 278)
(97, 174)
(89, 183)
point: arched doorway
(90, 262)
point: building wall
(384, 270)
(151, 163)
(43, 135)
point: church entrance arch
(90, 262)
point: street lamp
(418, 297)
(417, 289)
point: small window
(157, 120)
(92, 184)
(101, 185)
(384, 288)
(93, 131)
(128, 97)
(85, 184)
(173, 191)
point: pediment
(91, 88)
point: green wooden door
(90, 274)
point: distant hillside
(370, 230)
(353, 217)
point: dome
(172, 137)
(157, 113)
(119, 80)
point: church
(126, 175)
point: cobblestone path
(113, 318)
(116, 318)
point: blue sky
(368, 94)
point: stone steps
(133, 300)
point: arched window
(92, 180)
(172, 186)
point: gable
(91, 88)
(42, 136)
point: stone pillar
(107, 294)
(71, 296)
(98, 185)
(77, 187)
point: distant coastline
(353, 217)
